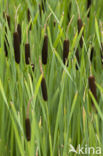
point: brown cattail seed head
(80, 25)
(92, 86)
(19, 31)
(65, 50)
(28, 129)
(44, 89)
(92, 53)
(45, 50)
(77, 57)
(27, 53)
(16, 44)
(29, 17)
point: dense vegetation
(51, 80)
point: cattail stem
(78, 8)
(69, 25)
(16, 17)
(16, 44)
(45, 25)
(65, 50)
(45, 50)
(41, 69)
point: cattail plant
(65, 50)
(43, 84)
(16, 44)
(88, 6)
(19, 31)
(80, 25)
(45, 50)
(27, 121)
(77, 57)
(27, 53)
(44, 89)
(91, 54)
(92, 86)
(6, 43)
(29, 17)
(28, 129)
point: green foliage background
(68, 116)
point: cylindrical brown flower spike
(80, 25)
(77, 56)
(65, 50)
(44, 89)
(19, 31)
(92, 86)
(45, 50)
(92, 53)
(28, 129)
(16, 44)
(88, 6)
(28, 16)
(27, 53)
